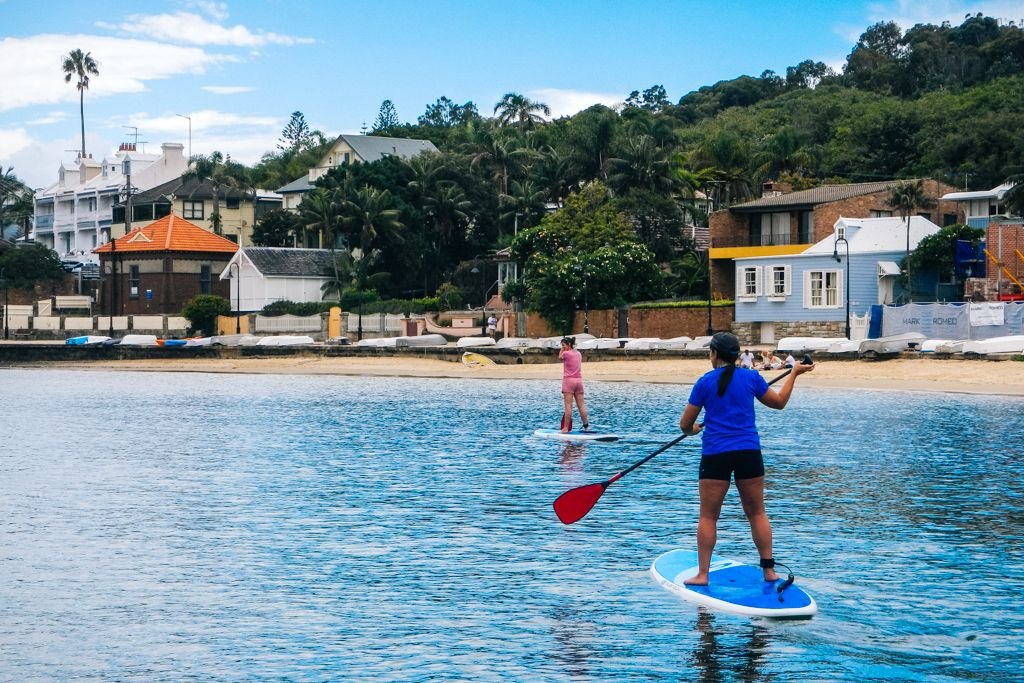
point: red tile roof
(170, 233)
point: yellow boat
(475, 359)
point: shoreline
(901, 374)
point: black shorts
(746, 464)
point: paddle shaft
(671, 443)
(575, 503)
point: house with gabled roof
(156, 269)
(262, 275)
(783, 222)
(350, 149)
(805, 294)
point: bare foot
(697, 580)
(770, 575)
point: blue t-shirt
(729, 419)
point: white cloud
(569, 102)
(185, 27)
(227, 89)
(217, 10)
(34, 161)
(34, 75)
(50, 117)
(204, 120)
(12, 141)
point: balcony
(44, 223)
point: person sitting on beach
(769, 361)
(747, 359)
(790, 361)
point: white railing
(382, 324)
(289, 323)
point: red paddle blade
(574, 504)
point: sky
(237, 70)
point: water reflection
(571, 458)
(716, 659)
(573, 634)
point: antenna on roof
(137, 141)
(363, 129)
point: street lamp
(835, 255)
(238, 296)
(586, 299)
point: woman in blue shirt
(731, 445)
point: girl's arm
(688, 421)
(779, 399)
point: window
(133, 282)
(232, 202)
(348, 157)
(143, 212)
(821, 288)
(879, 213)
(192, 210)
(748, 282)
(91, 204)
(774, 229)
(806, 227)
(779, 284)
(204, 279)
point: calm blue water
(232, 527)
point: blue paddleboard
(732, 587)
(575, 435)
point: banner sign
(987, 313)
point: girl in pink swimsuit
(572, 384)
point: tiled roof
(373, 147)
(185, 189)
(284, 261)
(814, 196)
(170, 233)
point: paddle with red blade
(574, 504)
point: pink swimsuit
(572, 374)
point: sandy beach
(903, 374)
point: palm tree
(15, 202)
(1014, 197)
(369, 215)
(80, 65)
(641, 164)
(907, 197)
(514, 108)
(219, 173)
(524, 200)
(320, 212)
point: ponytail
(725, 378)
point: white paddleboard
(732, 587)
(575, 435)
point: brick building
(782, 222)
(158, 268)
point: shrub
(201, 312)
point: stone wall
(750, 333)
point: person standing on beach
(572, 384)
(731, 445)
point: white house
(980, 205)
(809, 294)
(262, 275)
(349, 149)
(75, 215)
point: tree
(387, 118)
(80, 65)
(514, 108)
(444, 114)
(296, 135)
(25, 266)
(369, 215)
(277, 228)
(906, 198)
(202, 310)
(320, 212)
(641, 165)
(936, 252)
(219, 173)
(15, 203)
(585, 254)
(1014, 197)
(653, 99)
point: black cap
(725, 344)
